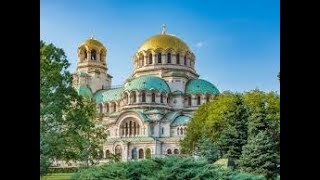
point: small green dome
(147, 83)
(181, 120)
(108, 95)
(195, 86)
(84, 91)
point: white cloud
(199, 44)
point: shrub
(169, 168)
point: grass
(57, 176)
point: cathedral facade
(147, 116)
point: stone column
(164, 58)
(173, 58)
(98, 56)
(138, 97)
(157, 97)
(154, 58)
(89, 55)
(146, 58)
(193, 100)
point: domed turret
(163, 53)
(92, 50)
(200, 86)
(92, 62)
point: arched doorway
(175, 151)
(107, 154)
(118, 151)
(141, 154)
(148, 153)
(134, 153)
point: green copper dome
(147, 83)
(195, 86)
(181, 120)
(108, 95)
(84, 91)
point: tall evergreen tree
(259, 155)
(258, 120)
(208, 149)
(235, 135)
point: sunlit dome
(164, 41)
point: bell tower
(92, 66)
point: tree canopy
(231, 120)
(67, 121)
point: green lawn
(57, 176)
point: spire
(92, 37)
(163, 29)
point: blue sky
(236, 43)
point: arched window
(141, 154)
(169, 151)
(108, 154)
(169, 58)
(207, 98)
(107, 107)
(181, 131)
(100, 108)
(134, 153)
(178, 58)
(185, 60)
(118, 150)
(148, 153)
(150, 58)
(176, 151)
(134, 128)
(114, 107)
(178, 131)
(198, 100)
(152, 129)
(189, 100)
(85, 54)
(159, 58)
(161, 98)
(93, 55)
(162, 130)
(153, 97)
(143, 97)
(168, 100)
(129, 127)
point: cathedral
(147, 116)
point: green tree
(207, 149)
(67, 129)
(259, 156)
(264, 111)
(208, 119)
(195, 129)
(235, 135)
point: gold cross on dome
(163, 29)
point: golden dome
(92, 42)
(164, 41)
